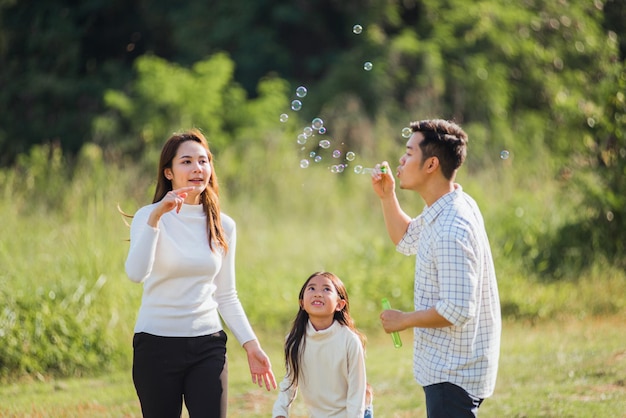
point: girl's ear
(340, 305)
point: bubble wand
(395, 336)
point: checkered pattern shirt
(454, 273)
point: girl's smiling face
(321, 300)
(190, 167)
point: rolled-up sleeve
(409, 243)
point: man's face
(410, 172)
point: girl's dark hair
(296, 340)
(445, 140)
(209, 197)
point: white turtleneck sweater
(332, 375)
(185, 283)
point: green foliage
(168, 97)
(599, 177)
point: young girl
(324, 354)
(182, 249)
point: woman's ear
(168, 173)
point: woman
(182, 248)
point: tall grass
(68, 309)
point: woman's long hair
(209, 197)
(296, 340)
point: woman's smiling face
(190, 167)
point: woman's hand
(260, 366)
(174, 199)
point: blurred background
(90, 90)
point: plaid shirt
(454, 273)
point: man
(456, 320)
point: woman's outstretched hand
(260, 366)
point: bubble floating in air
(406, 132)
(296, 105)
(357, 29)
(301, 91)
(318, 158)
(322, 130)
(367, 66)
(504, 154)
(302, 139)
(317, 123)
(304, 163)
(307, 131)
(284, 117)
(336, 153)
(350, 156)
(324, 143)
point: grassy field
(67, 308)
(573, 368)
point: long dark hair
(296, 340)
(209, 197)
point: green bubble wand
(395, 336)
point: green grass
(569, 368)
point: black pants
(167, 370)
(447, 400)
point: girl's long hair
(209, 197)
(296, 340)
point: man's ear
(433, 163)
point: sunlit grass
(567, 368)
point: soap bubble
(406, 132)
(322, 130)
(317, 123)
(336, 153)
(358, 169)
(301, 91)
(350, 156)
(296, 105)
(357, 29)
(504, 154)
(318, 158)
(368, 66)
(304, 163)
(284, 117)
(324, 143)
(312, 154)
(302, 139)
(307, 131)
